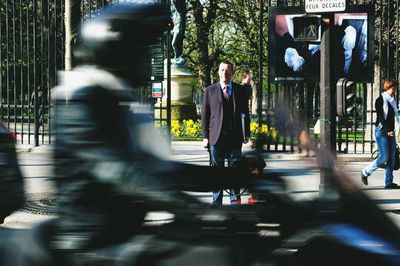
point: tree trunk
(203, 23)
(254, 97)
(72, 21)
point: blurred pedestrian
(38, 104)
(246, 82)
(386, 115)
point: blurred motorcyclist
(11, 181)
(107, 178)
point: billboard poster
(291, 60)
(351, 46)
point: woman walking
(386, 111)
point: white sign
(318, 6)
(156, 90)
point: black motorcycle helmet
(118, 39)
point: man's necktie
(226, 93)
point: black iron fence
(32, 51)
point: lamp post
(328, 110)
(260, 73)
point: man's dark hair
(227, 62)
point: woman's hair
(244, 73)
(388, 84)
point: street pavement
(301, 173)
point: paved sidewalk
(301, 174)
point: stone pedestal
(182, 106)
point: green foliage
(231, 32)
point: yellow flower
(264, 129)
(274, 133)
(188, 123)
(190, 128)
(254, 127)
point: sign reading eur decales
(319, 6)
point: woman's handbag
(396, 165)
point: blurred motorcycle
(341, 227)
(11, 182)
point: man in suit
(225, 123)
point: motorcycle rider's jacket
(107, 162)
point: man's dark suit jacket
(212, 112)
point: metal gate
(32, 51)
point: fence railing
(32, 51)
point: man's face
(225, 73)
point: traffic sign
(307, 28)
(156, 90)
(320, 6)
